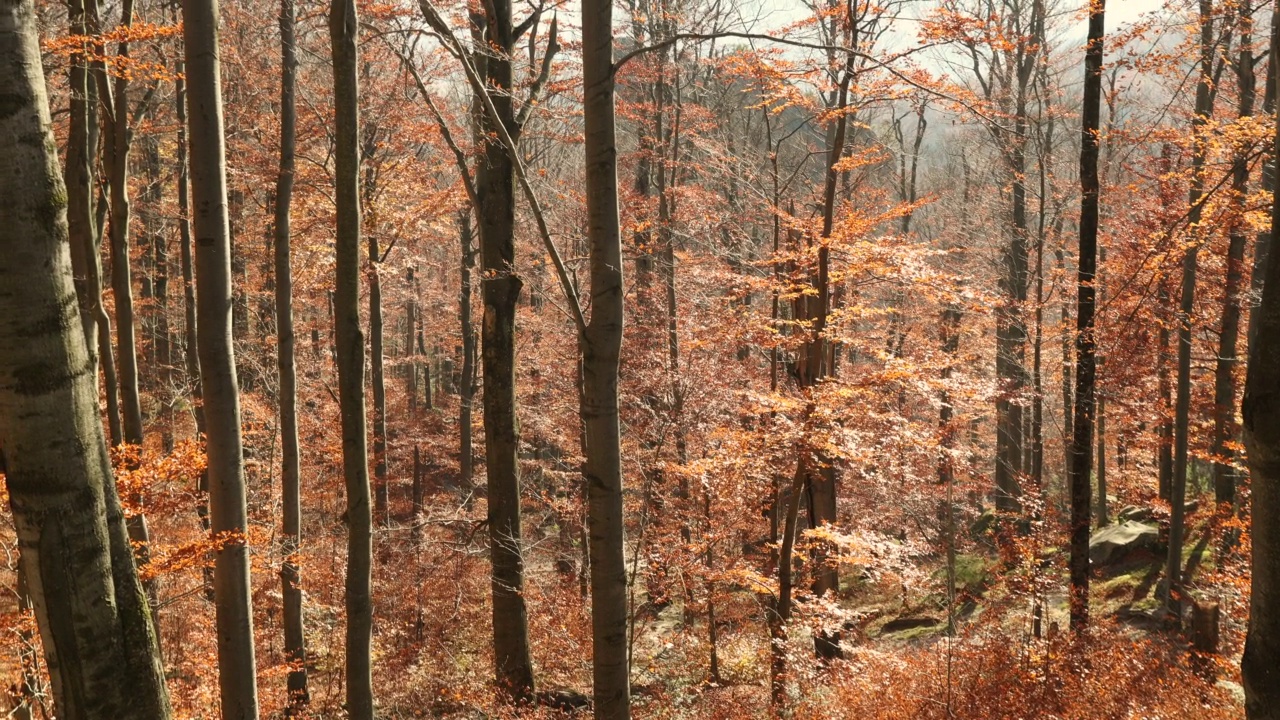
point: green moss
(973, 574)
(917, 633)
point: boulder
(1113, 543)
(564, 700)
(1136, 514)
(983, 524)
(908, 623)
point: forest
(666, 359)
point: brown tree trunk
(1224, 383)
(1260, 666)
(344, 33)
(1182, 403)
(1086, 339)
(1262, 246)
(237, 676)
(467, 386)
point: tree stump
(1204, 627)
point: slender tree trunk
(237, 676)
(1262, 245)
(377, 378)
(467, 386)
(1101, 473)
(1224, 384)
(601, 344)
(1260, 666)
(80, 184)
(1182, 402)
(190, 323)
(99, 643)
(121, 141)
(290, 471)
(344, 33)
(410, 347)
(1086, 340)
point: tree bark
(290, 471)
(237, 677)
(500, 289)
(601, 344)
(1262, 245)
(121, 141)
(99, 643)
(1182, 401)
(1224, 382)
(190, 324)
(1260, 413)
(467, 386)
(1086, 340)
(343, 33)
(377, 379)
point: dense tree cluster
(655, 358)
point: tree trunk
(1182, 402)
(377, 378)
(1224, 382)
(190, 323)
(237, 677)
(290, 471)
(1262, 246)
(343, 33)
(1260, 666)
(121, 141)
(1086, 340)
(500, 287)
(1101, 473)
(601, 344)
(85, 259)
(99, 642)
(467, 386)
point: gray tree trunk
(237, 670)
(343, 33)
(290, 471)
(500, 288)
(601, 345)
(117, 163)
(99, 643)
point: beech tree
(600, 344)
(1260, 664)
(1086, 337)
(99, 643)
(290, 480)
(237, 669)
(344, 29)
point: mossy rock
(973, 574)
(1113, 543)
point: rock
(1135, 513)
(985, 522)
(1234, 689)
(564, 700)
(908, 623)
(1113, 543)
